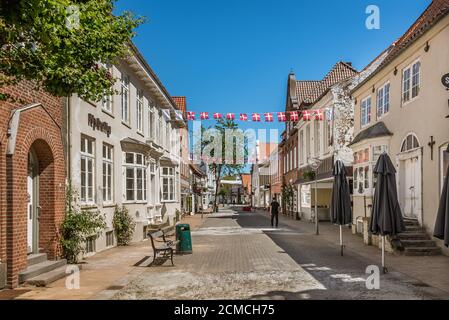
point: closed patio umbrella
(341, 211)
(386, 217)
(442, 224)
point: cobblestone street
(237, 257)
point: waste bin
(184, 237)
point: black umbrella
(341, 211)
(442, 223)
(386, 217)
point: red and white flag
(217, 116)
(268, 117)
(282, 117)
(319, 115)
(243, 117)
(190, 115)
(256, 117)
(307, 115)
(294, 116)
(230, 116)
(204, 115)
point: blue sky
(235, 55)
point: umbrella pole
(341, 240)
(384, 268)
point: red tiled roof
(181, 102)
(304, 89)
(341, 71)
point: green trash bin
(184, 237)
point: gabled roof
(304, 89)
(341, 71)
(436, 11)
(376, 131)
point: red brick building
(32, 177)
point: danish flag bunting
(256, 117)
(217, 116)
(268, 117)
(319, 115)
(204, 115)
(243, 117)
(230, 116)
(282, 117)
(294, 116)
(307, 115)
(190, 115)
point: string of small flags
(290, 116)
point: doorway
(33, 203)
(410, 178)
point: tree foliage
(59, 44)
(77, 227)
(123, 226)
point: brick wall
(40, 129)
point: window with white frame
(411, 82)
(106, 101)
(317, 138)
(168, 184)
(153, 199)
(167, 135)
(295, 163)
(139, 111)
(135, 173)
(160, 129)
(364, 162)
(383, 100)
(301, 147)
(151, 123)
(365, 109)
(87, 195)
(108, 173)
(125, 98)
(308, 149)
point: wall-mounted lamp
(374, 89)
(427, 47)
(395, 72)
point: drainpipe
(68, 144)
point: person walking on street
(274, 209)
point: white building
(124, 150)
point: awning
(375, 131)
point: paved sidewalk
(99, 273)
(432, 271)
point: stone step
(40, 268)
(36, 258)
(45, 279)
(422, 251)
(414, 229)
(413, 236)
(411, 222)
(418, 243)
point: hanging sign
(445, 81)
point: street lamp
(315, 163)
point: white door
(412, 188)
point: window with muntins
(139, 111)
(383, 100)
(168, 184)
(125, 98)
(87, 171)
(366, 111)
(411, 82)
(135, 172)
(108, 173)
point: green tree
(221, 165)
(59, 44)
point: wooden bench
(165, 246)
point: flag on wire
(243, 117)
(268, 117)
(230, 116)
(190, 115)
(204, 115)
(294, 116)
(256, 117)
(217, 116)
(282, 117)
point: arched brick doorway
(41, 200)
